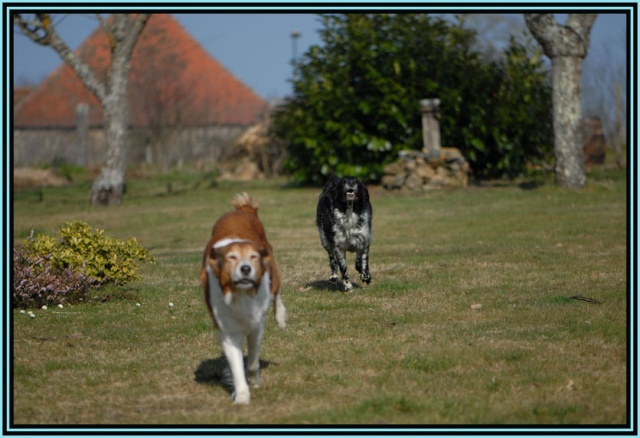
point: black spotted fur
(344, 216)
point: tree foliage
(356, 98)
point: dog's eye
(233, 257)
(254, 256)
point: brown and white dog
(240, 278)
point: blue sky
(257, 47)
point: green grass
(468, 320)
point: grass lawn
(469, 319)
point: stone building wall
(202, 146)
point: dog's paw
(242, 397)
(348, 286)
(365, 278)
(333, 279)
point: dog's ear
(215, 260)
(336, 189)
(265, 257)
(264, 254)
(364, 193)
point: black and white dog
(344, 221)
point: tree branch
(37, 29)
(42, 32)
(132, 31)
(581, 23)
(571, 39)
(545, 29)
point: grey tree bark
(123, 31)
(567, 46)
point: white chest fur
(350, 230)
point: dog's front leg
(334, 265)
(341, 260)
(254, 341)
(362, 265)
(232, 347)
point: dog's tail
(243, 202)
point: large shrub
(513, 132)
(48, 269)
(356, 98)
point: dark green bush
(356, 99)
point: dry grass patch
(28, 177)
(468, 320)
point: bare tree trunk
(108, 187)
(82, 133)
(122, 31)
(566, 46)
(567, 122)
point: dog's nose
(245, 269)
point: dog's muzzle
(351, 195)
(244, 276)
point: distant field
(469, 319)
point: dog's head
(350, 191)
(238, 264)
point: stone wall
(416, 171)
(434, 167)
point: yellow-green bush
(106, 259)
(50, 269)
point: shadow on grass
(216, 372)
(531, 185)
(326, 285)
(525, 185)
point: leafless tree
(122, 31)
(604, 90)
(567, 46)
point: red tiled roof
(173, 80)
(19, 94)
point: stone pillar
(82, 133)
(430, 127)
